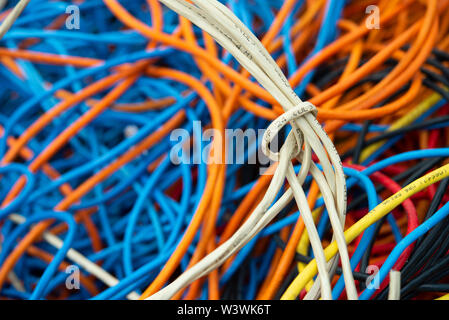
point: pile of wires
(138, 161)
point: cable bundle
(89, 179)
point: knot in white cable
(295, 139)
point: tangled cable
(108, 171)
(247, 49)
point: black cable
(438, 269)
(443, 247)
(361, 142)
(418, 263)
(287, 280)
(430, 81)
(436, 88)
(426, 164)
(434, 204)
(437, 64)
(422, 170)
(441, 54)
(367, 254)
(434, 287)
(391, 134)
(425, 245)
(435, 76)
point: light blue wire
(59, 256)
(20, 199)
(134, 214)
(30, 104)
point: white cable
(3, 4)
(301, 202)
(78, 258)
(16, 282)
(234, 36)
(12, 17)
(338, 232)
(328, 170)
(246, 232)
(235, 242)
(394, 293)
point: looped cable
(218, 21)
(295, 138)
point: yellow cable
(445, 297)
(355, 230)
(405, 120)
